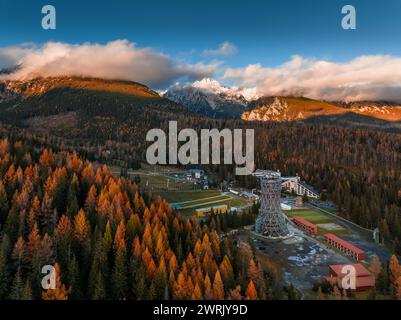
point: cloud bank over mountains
(373, 77)
(118, 59)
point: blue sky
(266, 32)
(277, 46)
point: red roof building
(364, 279)
(309, 227)
(345, 247)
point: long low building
(309, 227)
(216, 209)
(345, 247)
(364, 279)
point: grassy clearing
(310, 215)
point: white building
(299, 187)
(285, 206)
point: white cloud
(375, 77)
(224, 49)
(118, 59)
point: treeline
(106, 239)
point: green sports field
(318, 218)
(187, 201)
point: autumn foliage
(107, 239)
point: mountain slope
(285, 109)
(35, 87)
(83, 107)
(288, 109)
(387, 111)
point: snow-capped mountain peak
(213, 86)
(210, 85)
(209, 97)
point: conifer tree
(139, 283)
(197, 293)
(27, 291)
(63, 237)
(99, 292)
(12, 224)
(120, 275)
(33, 243)
(398, 288)
(72, 207)
(81, 227)
(19, 254)
(48, 215)
(394, 269)
(375, 266)
(107, 238)
(4, 266)
(218, 287)
(73, 279)
(251, 293)
(3, 204)
(100, 265)
(17, 286)
(383, 280)
(34, 213)
(208, 292)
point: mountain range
(74, 98)
(209, 98)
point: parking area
(304, 260)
